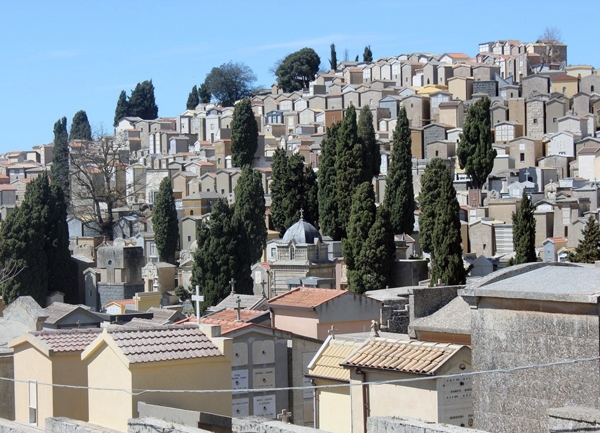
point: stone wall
(68, 425)
(428, 300)
(263, 425)
(394, 315)
(411, 425)
(536, 118)
(573, 419)
(7, 389)
(115, 292)
(490, 88)
(154, 425)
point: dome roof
(302, 233)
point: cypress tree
(204, 94)
(165, 222)
(447, 248)
(588, 249)
(371, 154)
(288, 194)
(244, 134)
(141, 102)
(80, 127)
(362, 217)
(428, 199)
(278, 190)
(399, 193)
(524, 232)
(375, 264)
(368, 54)
(123, 109)
(311, 196)
(328, 206)
(60, 160)
(193, 99)
(333, 60)
(475, 152)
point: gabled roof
(62, 340)
(305, 297)
(326, 363)
(58, 311)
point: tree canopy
(230, 82)
(399, 193)
(368, 54)
(204, 94)
(244, 134)
(333, 58)
(524, 232)
(80, 127)
(328, 207)
(193, 99)
(297, 70)
(588, 249)
(122, 109)
(475, 152)
(60, 158)
(165, 222)
(371, 153)
(140, 104)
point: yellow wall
(69, 370)
(335, 415)
(146, 300)
(571, 88)
(30, 364)
(109, 408)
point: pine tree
(123, 109)
(193, 99)
(428, 199)
(399, 193)
(475, 152)
(447, 248)
(362, 217)
(371, 153)
(244, 134)
(588, 249)
(204, 94)
(60, 160)
(215, 259)
(80, 127)
(328, 206)
(368, 54)
(165, 222)
(524, 232)
(375, 264)
(141, 102)
(333, 60)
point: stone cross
(232, 282)
(284, 416)
(262, 283)
(198, 298)
(332, 331)
(238, 301)
(301, 213)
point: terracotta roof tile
(68, 340)
(410, 357)
(327, 365)
(164, 343)
(305, 297)
(230, 314)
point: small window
(522, 157)
(273, 252)
(192, 212)
(437, 153)
(534, 120)
(292, 253)
(554, 120)
(591, 88)
(189, 239)
(222, 191)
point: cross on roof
(262, 283)
(232, 282)
(332, 331)
(301, 213)
(198, 298)
(238, 309)
(284, 416)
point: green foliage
(428, 198)
(371, 153)
(204, 94)
(182, 293)
(141, 101)
(122, 109)
(328, 205)
(362, 217)
(356, 58)
(368, 54)
(375, 264)
(244, 134)
(35, 237)
(475, 152)
(333, 58)
(193, 99)
(524, 232)
(297, 70)
(230, 82)
(399, 193)
(60, 159)
(80, 127)
(311, 196)
(165, 222)
(588, 249)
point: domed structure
(302, 233)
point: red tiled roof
(68, 340)
(163, 343)
(305, 297)
(230, 314)
(226, 325)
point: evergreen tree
(244, 134)
(475, 152)
(165, 222)
(447, 248)
(362, 217)
(588, 249)
(333, 60)
(524, 232)
(204, 94)
(122, 109)
(60, 160)
(328, 206)
(399, 193)
(297, 70)
(375, 264)
(141, 102)
(215, 259)
(368, 54)
(80, 127)
(311, 196)
(287, 189)
(230, 82)
(193, 99)
(371, 153)
(435, 171)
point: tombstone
(475, 197)
(119, 242)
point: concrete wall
(573, 419)
(262, 425)
(67, 425)
(412, 425)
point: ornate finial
(374, 328)
(301, 214)
(232, 282)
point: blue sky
(59, 57)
